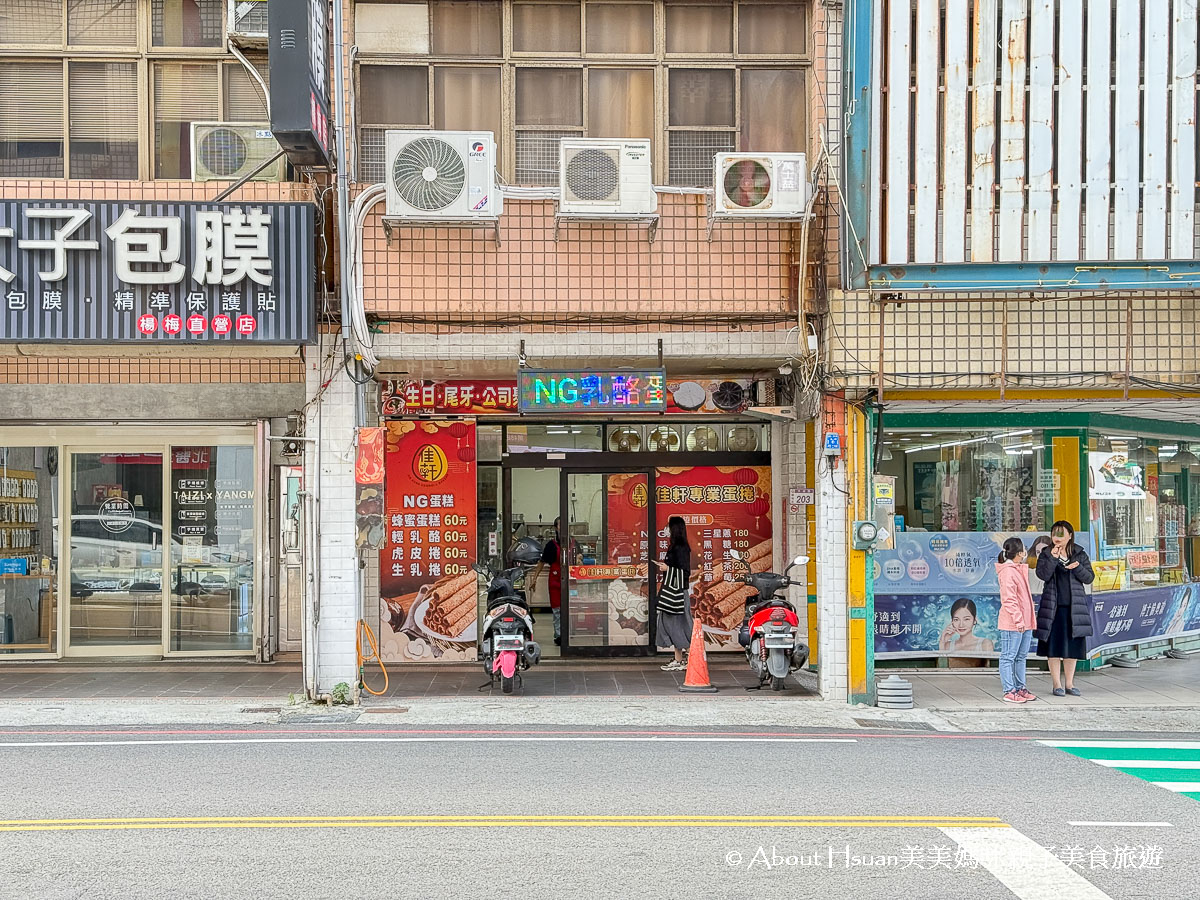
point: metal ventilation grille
(429, 174)
(250, 17)
(223, 152)
(691, 156)
(593, 174)
(747, 184)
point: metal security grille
(1051, 130)
(371, 164)
(691, 155)
(250, 17)
(537, 156)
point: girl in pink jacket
(1016, 620)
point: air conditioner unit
(247, 22)
(605, 177)
(754, 185)
(227, 151)
(448, 175)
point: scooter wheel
(507, 682)
(777, 683)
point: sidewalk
(1159, 683)
(109, 680)
(1161, 695)
(640, 677)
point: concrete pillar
(329, 475)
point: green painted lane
(1162, 763)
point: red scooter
(771, 630)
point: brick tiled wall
(165, 191)
(609, 270)
(133, 370)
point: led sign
(545, 391)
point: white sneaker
(673, 666)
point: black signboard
(134, 272)
(298, 56)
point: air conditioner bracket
(763, 219)
(393, 223)
(649, 220)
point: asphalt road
(371, 812)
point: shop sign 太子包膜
(138, 272)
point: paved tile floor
(1156, 682)
(145, 680)
(591, 678)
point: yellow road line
(467, 821)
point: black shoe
(558, 642)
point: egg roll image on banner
(429, 594)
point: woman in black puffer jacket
(1064, 618)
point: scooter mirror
(480, 569)
(800, 561)
(736, 555)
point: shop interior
(1134, 492)
(154, 550)
(529, 474)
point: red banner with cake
(725, 508)
(429, 594)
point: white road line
(1127, 745)
(578, 739)
(1148, 763)
(1180, 787)
(1124, 824)
(1024, 866)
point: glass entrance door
(116, 553)
(607, 594)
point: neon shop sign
(544, 391)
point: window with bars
(188, 92)
(89, 116)
(631, 79)
(112, 24)
(446, 98)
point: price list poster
(429, 594)
(725, 508)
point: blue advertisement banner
(1123, 617)
(936, 594)
(937, 624)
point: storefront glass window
(1142, 492)
(212, 548)
(970, 480)
(28, 549)
(554, 438)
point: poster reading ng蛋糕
(725, 508)
(428, 590)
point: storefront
(131, 542)
(473, 466)
(950, 489)
(135, 467)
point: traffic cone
(696, 680)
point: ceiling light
(1184, 459)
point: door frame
(116, 437)
(67, 457)
(619, 650)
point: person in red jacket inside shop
(552, 557)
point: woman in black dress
(1064, 618)
(674, 612)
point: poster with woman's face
(937, 624)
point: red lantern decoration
(458, 430)
(467, 453)
(745, 476)
(759, 506)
